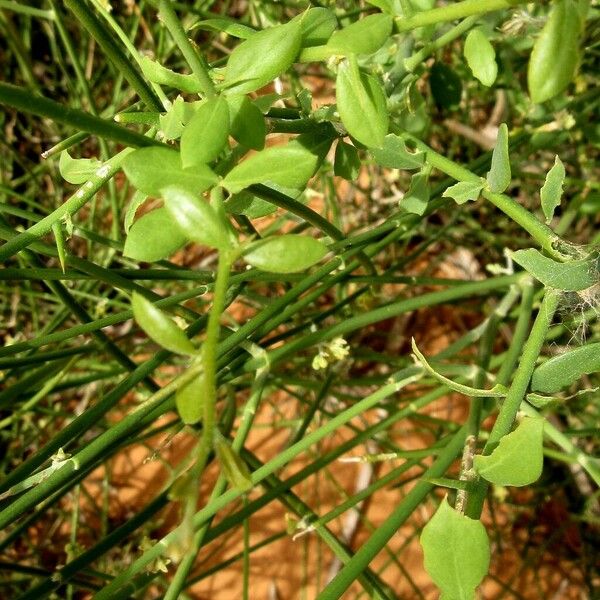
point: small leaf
(156, 73)
(481, 57)
(247, 122)
(290, 165)
(446, 86)
(197, 219)
(172, 123)
(571, 276)
(498, 177)
(365, 36)
(395, 155)
(518, 459)
(362, 104)
(188, 401)
(317, 26)
(154, 236)
(347, 161)
(59, 238)
(234, 468)
(289, 253)
(159, 326)
(77, 170)
(457, 552)
(463, 191)
(206, 134)
(151, 169)
(245, 203)
(565, 369)
(226, 25)
(417, 196)
(136, 201)
(262, 57)
(552, 189)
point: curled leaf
(551, 191)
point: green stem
(191, 55)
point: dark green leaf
(347, 161)
(457, 552)
(154, 236)
(395, 155)
(445, 85)
(481, 57)
(206, 134)
(361, 103)
(159, 326)
(571, 276)
(498, 176)
(77, 170)
(262, 57)
(565, 369)
(289, 253)
(463, 191)
(247, 122)
(245, 203)
(151, 169)
(518, 459)
(551, 191)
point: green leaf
(498, 176)
(59, 239)
(197, 219)
(571, 276)
(290, 165)
(317, 26)
(416, 198)
(289, 253)
(172, 122)
(552, 190)
(361, 103)
(234, 468)
(565, 369)
(395, 155)
(151, 169)
(159, 326)
(245, 203)
(247, 122)
(77, 170)
(518, 459)
(206, 134)
(188, 401)
(154, 236)
(463, 191)
(156, 73)
(481, 57)
(555, 55)
(347, 162)
(136, 201)
(445, 85)
(226, 25)
(457, 552)
(362, 37)
(262, 57)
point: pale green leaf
(457, 552)
(154, 236)
(188, 401)
(226, 25)
(481, 57)
(317, 26)
(518, 459)
(77, 170)
(417, 196)
(172, 122)
(206, 134)
(552, 190)
(136, 201)
(395, 155)
(463, 191)
(563, 370)
(570, 276)
(156, 73)
(262, 57)
(498, 176)
(248, 125)
(288, 253)
(151, 169)
(234, 468)
(365, 36)
(160, 327)
(362, 104)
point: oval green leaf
(499, 175)
(362, 104)
(551, 191)
(285, 253)
(457, 552)
(160, 327)
(234, 468)
(197, 219)
(555, 55)
(262, 57)
(77, 170)
(565, 369)
(347, 162)
(188, 401)
(317, 26)
(395, 155)
(463, 191)
(518, 459)
(206, 134)
(152, 169)
(154, 236)
(481, 57)
(247, 122)
(572, 276)
(362, 37)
